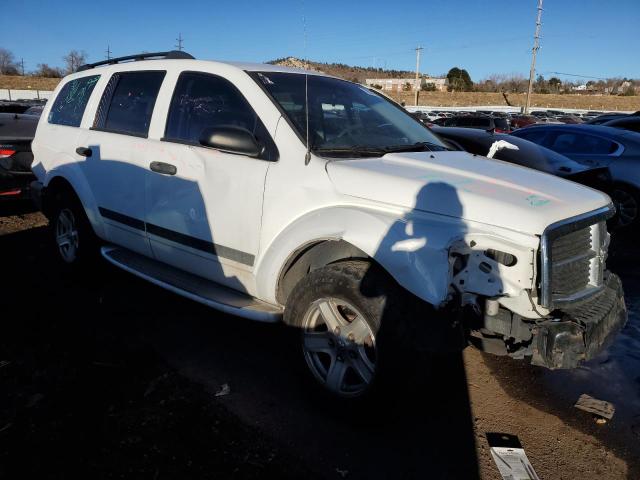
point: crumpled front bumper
(582, 330)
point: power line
(179, 40)
(576, 75)
(536, 47)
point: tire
(347, 315)
(74, 242)
(626, 199)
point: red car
(520, 121)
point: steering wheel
(348, 130)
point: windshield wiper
(357, 150)
(416, 147)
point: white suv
(275, 193)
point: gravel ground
(111, 377)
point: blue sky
(587, 37)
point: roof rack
(173, 54)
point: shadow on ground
(111, 376)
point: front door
(204, 210)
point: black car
(16, 133)
(607, 117)
(632, 122)
(528, 155)
(481, 122)
(599, 146)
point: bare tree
(74, 59)
(44, 70)
(8, 66)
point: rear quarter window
(69, 105)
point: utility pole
(536, 47)
(108, 52)
(179, 40)
(417, 85)
(22, 65)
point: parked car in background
(600, 119)
(548, 120)
(519, 121)
(35, 110)
(16, 133)
(570, 119)
(631, 122)
(483, 122)
(527, 154)
(599, 146)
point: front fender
(412, 247)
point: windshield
(346, 118)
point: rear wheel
(74, 241)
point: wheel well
(311, 257)
(55, 187)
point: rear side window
(582, 144)
(127, 103)
(203, 100)
(69, 105)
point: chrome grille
(573, 252)
(571, 262)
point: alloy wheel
(67, 237)
(339, 347)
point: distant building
(580, 88)
(403, 84)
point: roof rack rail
(173, 54)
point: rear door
(116, 166)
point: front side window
(127, 103)
(69, 105)
(345, 118)
(202, 101)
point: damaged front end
(567, 338)
(577, 306)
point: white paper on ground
(513, 464)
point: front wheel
(344, 313)
(626, 199)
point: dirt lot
(583, 102)
(110, 377)
(18, 82)
(440, 99)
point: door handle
(84, 151)
(163, 168)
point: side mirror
(231, 139)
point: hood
(466, 186)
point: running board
(192, 286)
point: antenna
(307, 156)
(108, 52)
(179, 40)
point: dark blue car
(599, 146)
